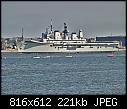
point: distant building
(8, 43)
(121, 39)
(90, 39)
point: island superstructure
(56, 41)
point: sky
(94, 18)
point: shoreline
(6, 51)
(16, 51)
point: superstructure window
(91, 47)
(79, 46)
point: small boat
(47, 56)
(36, 57)
(111, 55)
(68, 56)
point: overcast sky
(95, 18)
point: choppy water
(62, 73)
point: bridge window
(91, 47)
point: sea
(63, 73)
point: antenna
(65, 31)
(51, 25)
(22, 33)
(47, 30)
